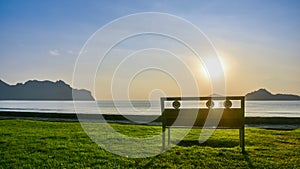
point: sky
(258, 42)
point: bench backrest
(214, 112)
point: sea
(252, 108)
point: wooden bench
(206, 112)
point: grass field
(41, 144)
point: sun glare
(213, 67)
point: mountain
(263, 94)
(42, 90)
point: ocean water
(252, 109)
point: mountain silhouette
(59, 90)
(263, 94)
(42, 90)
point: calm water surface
(253, 108)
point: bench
(203, 112)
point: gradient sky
(258, 40)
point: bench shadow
(210, 143)
(216, 144)
(248, 160)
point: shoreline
(280, 123)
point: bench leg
(242, 139)
(169, 136)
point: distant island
(42, 90)
(59, 90)
(263, 94)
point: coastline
(280, 123)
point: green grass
(40, 144)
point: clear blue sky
(259, 40)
